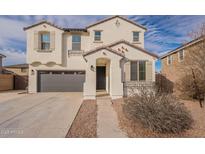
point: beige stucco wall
(135, 54)
(34, 55)
(112, 33)
(72, 63)
(60, 59)
(116, 85)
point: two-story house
(108, 55)
(1, 59)
(173, 61)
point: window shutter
(127, 71)
(36, 41)
(148, 71)
(52, 45)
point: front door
(101, 78)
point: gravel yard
(135, 129)
(85, 123)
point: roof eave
(182, 47)
(106, 48)
(2, 56)
(134, 46)
(42, 22)
(112, 17)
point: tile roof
(83, 29)
(43, 22)
(75, 29)
(3, 56)
(17, 66)
(108, 47)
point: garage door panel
(61, 82)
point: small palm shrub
(159, 112)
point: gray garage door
(61, 81)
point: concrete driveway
(37, 115)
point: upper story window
(136, 36)
(45, 41)
(181, 55)
(142, 70)
(169, 60)
(76, 42)
(97, 36)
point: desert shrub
(159, 112)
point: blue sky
(164, 33)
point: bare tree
(192, 82)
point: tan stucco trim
(101, 48)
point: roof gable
(113, 17)
(43, 22)
(134, 46)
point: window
(142, 70)
(169, 60)
(45, 41)
(133, 70)
(181, 55)
(76, 42)
(135, 36)
(97, 35)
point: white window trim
(80, 43)
(138, 70)
(100, 35)
(179, 56)
(168, 60)
(138, 37)
(41, 41)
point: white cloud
(13, 57)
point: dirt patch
(135, 129)
(198, 115)
(85, 123)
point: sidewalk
(107, 122)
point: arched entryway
(103, 75)
(110, 60)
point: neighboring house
(173, 60)
(20, 75)
(107, 55)
(1, 61)
(18, 69)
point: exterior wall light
(32, 72)
(92, 68)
